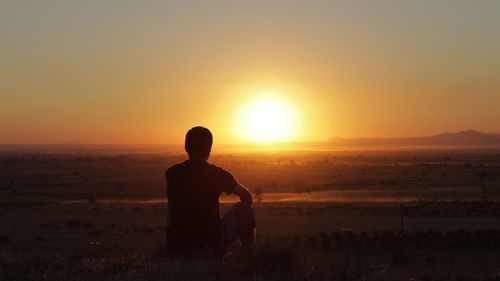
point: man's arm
(243, 193)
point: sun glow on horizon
(267, 118)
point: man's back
(193, 190)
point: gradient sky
(146, 71)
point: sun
(267, 118)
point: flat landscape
(405, 214)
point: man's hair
(198, 143)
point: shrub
(147, 229)
(89, 225)
(4, 239)
(399, 259)
(39, 238)
(73, 223)
(276, 257)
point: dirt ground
(434, 211)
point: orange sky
(145, 72)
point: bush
(73, 223)
(88, 225)
(4, 239)
(399, 259)
(276, 257)
(147, 229)
(39, 238)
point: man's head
(198, 143)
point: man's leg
(239, 222)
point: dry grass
(274, 259)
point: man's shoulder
(174, 169)
(206, 167)
(218, 171)
(215, 168)
(224, 179)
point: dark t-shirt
(193, 190)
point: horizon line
(259, 143)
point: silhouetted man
(193, 189)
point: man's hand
(243, 193)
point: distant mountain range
(463, 138)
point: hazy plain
(379, 204)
